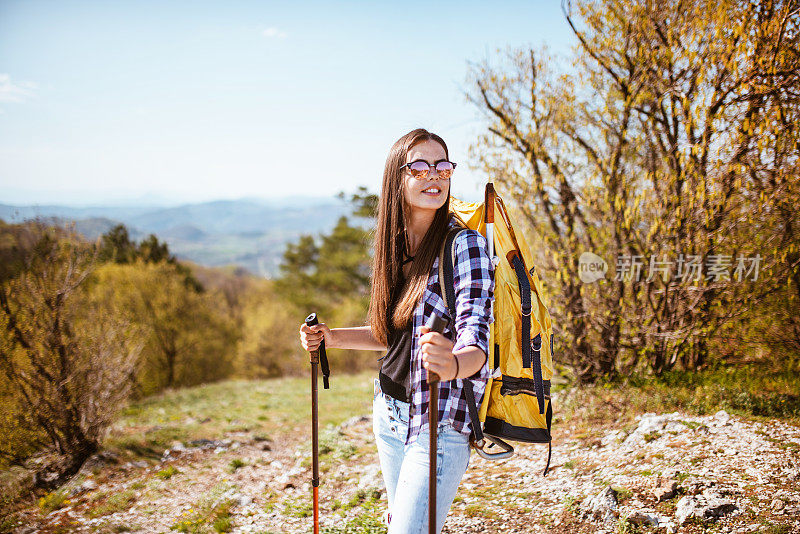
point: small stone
(666, 491)
(717, 505)
(777, 505)
(687, 507)
(722, 417)
(639, 517)
(602, 505)
(88, 485)
(371, 478)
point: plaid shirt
(474, 290)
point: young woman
(413, 219)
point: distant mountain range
(251, 233)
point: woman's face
(430, 193)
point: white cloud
(274, 32)
(14, 92)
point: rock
(639, 517)
(603, 505)
(355, 420)
(777, 505)
(203, 443)
(283, 481)
(652, 427)
(666, 491)
(722, 417)
(88, 485)
(371, 478)
(612, 438)
(688, 506)
(709, 505)
(99, 460)
(717, 505)
(694, 485)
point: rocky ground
(662, 473)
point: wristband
(456, 359)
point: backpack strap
(447, 284)
(530, 359)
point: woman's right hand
(312, 336)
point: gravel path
(663, 473)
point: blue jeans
(405, 467)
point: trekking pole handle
(319, 355)
(312, 320)
(435, 323)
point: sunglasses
(420, 169)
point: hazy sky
(188, 101)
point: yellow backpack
(516, 405)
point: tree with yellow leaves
(670, 149)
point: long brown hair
(388, 245)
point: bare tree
(67, 362)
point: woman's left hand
(437, 354)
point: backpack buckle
(480, 447)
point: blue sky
(123, 102)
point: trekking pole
(435, 324)
(317, 357)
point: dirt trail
(663, 473)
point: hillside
(248, 233)
(235, 457)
